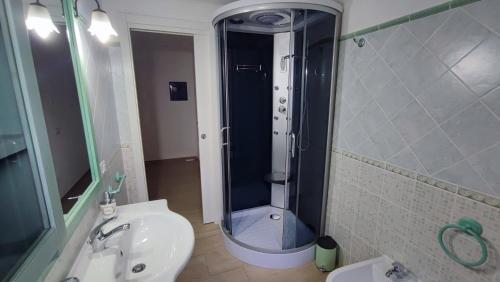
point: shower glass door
(225, 151)
(312, 45)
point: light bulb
(100, 26)
(38, 19)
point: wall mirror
(65, 108)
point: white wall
(168, 128)
(360, 14)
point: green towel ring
(472, 228)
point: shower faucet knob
(282, 100)
(282, 109)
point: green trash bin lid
(326, 242)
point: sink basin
(157, 247)
(372, 270)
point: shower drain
(138, 268)
(275, 216)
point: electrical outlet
(102, 166)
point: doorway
(166, 94)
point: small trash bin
(326, 253)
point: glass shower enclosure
(276, 71)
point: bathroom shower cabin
(277, 89)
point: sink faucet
(398, 270)
(98, 234)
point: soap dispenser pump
(108, 206)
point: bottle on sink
(108, 206)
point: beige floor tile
(203, 246)
(305, 273)
(235, 275)
(220, 260)
(267, 275)
(195, 270)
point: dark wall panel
(250, 99)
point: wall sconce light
(100, 25)
(38, 19)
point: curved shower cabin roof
(243, 6)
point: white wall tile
(423, 28)
(435, 151)
(445, 97)
(413, 122)
(431, 203)
(479, 69)
(399, 48)
(456, 37)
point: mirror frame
(63, 13)
(74, 216)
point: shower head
(270, 17)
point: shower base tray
(290, 259)
(258, 237)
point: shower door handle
(293, 144)
(222, 135)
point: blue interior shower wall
(250, 114)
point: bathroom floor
(178, 181)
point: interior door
(207, 141)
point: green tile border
(411, 17)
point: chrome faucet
(98, 234)
(398, 270)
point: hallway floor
(178, 181)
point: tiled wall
(418, 122)
(375, 208)
(425, 96)
(123, 124)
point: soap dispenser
(108, 206)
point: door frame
(206, 106)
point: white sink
(158, 238)
(372, 270)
